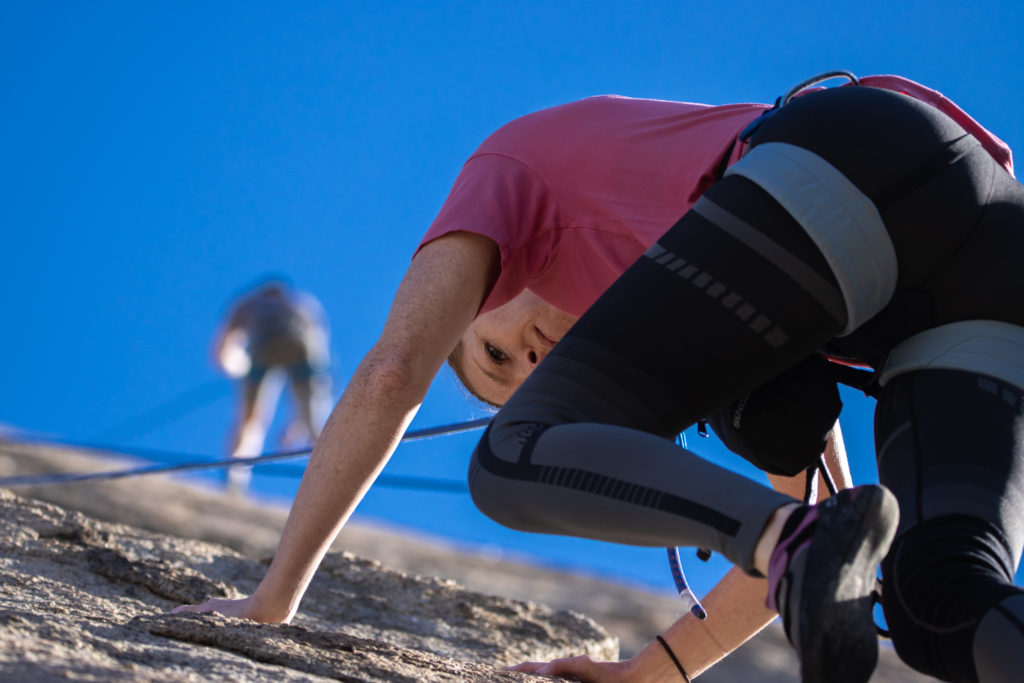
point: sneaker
(821, 578)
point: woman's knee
(500, 474)
(940, 580)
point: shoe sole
(842, 566)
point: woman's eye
(495, 354)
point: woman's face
(501, 347)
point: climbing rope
(206, 463)
(171, 410)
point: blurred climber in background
(271, 333)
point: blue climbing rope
(74, 477)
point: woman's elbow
(390, 377)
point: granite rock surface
(82, 599)
(179, 508)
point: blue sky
(157, 157)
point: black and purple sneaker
(821, 578)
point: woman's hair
(455, 360)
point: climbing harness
(780, 102)
(814, 80)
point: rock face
(166, 505)
(88, 600)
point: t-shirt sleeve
(503, 199)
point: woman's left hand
(581, 668)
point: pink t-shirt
(574, 194)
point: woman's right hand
(243, 608)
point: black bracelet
(675, 661)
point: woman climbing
(875, 221)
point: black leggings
(731, 296)
(950, 445)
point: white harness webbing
(842, 221)
(987, 347)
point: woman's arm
(836, 461)
(437, 299)
(228, 351)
